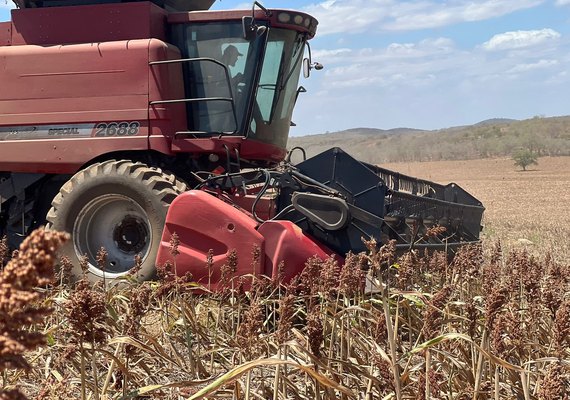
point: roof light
(284, 17)
(298, 19)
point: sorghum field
(493, 323)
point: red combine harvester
(110, 111)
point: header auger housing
(111, 110)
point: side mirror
(308, 64)
(306, 67)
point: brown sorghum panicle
(329, 276)
(495, 302)
(472, 315)
(468, 261)
(101, 259)
(315, 331)
(33, 266)
(433, 315)
(86, 312)
(286, 312)
(562, 327)
(555, 384)
(229, 269)
(4, 250)
(409, 265)
(84, 264)
(174, 244)
(351, 275)
(247, 335)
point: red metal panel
(249, 149)
(88, 24)
(61, 156)
(75, 83)
(5, 33)
(202, 223)
(166, 82)
(285, 242)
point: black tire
(120, 206)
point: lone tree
(525, 157)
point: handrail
(202, 99)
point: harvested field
(521, 206)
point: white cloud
(331, 56)
(542, 64)
(355, 16)
(562, 2)
(520, 39)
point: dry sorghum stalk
(19, 309)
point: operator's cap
(232, 49)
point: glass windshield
(275, 99)
(225, 69)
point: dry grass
(495, 326)
(532, 205)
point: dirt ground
(530, 208)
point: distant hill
(496, 137)
(495, 121)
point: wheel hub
(130, 234)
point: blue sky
(429, 63)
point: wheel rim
(120, 226)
